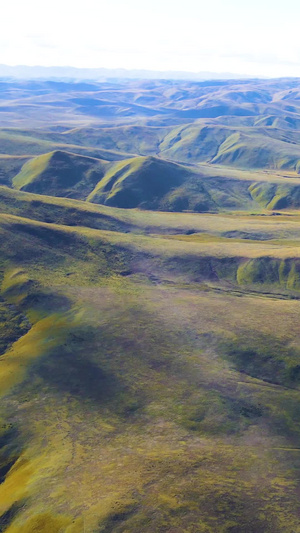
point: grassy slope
(153, 183)
(60, 174)
(194, 257)
(261, 226)
(119, 399)
(150, 367)
(117, 395)
(9, 167)
(31, 171)
(140, 181)
(19, 144)
(244, 125)
(241, 147)
(238, 147)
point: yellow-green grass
(102, 252)
(154, 183)
(138, 139)
(134, 336)
(185, 438)
(9, 167)
(21, 203)
(150, 379)
(141, 405)
(31, 145)
(31, 170)
(70, 212)
(60, 174)
(45, 333)
(242, 147)
(163, 246)
(253, 175)
(143, 181)
(158, 184)
(126, 167)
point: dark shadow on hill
(73, 370)
(199, 268)
(13, 325)
(47, 301)
(10, 448)
(44, 244)
(265, 357)
(7, 518)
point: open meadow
(149, 307)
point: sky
(248, 37)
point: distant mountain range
(102, 74)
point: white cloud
(260, 37)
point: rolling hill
(60, 174)
(154, 183)
(149, 306)
(143, 181)
(133, 382)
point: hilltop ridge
(60, 173)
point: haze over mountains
(183, 135)
(73, 73)
(149, 306)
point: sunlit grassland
(150, 360)
(131, 395)
(131, 414)
(32, 170)
(211, 254)
(264, 225)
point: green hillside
(153, 183)
(149, 306)
(240, 147)
(117, 395)
(140, 182)
(31, 143)
(60, 174)
(258, 152)
(9, 167)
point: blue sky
(255, 38)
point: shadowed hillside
(139, 182)
(60, 174)
(155, 364)
(153, 183)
